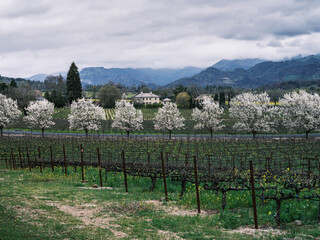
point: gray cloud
(46, 36)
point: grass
(52, 206)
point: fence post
(82, 171)
(13, 160)
(196, 181)
(65, 161)
(164, 177)
(5, 159)
(21, 166)
(124, 171)
(28, 157)
(253, 191)
(99, 163)
(52, 163)
(40, 162)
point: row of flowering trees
(252, 113)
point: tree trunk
(224, 199)
(128, 134)
(86, 133)
(307, 134)
(153, 183)
(254, 135)
(42, 130)
(211, 133)
(1, 131)
(277, 217)
(170, 135)
(183, 188)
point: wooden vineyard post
(52, 163)
(255, 216)
(5, 159)
(99, 163)
(319, 197)
(21, 166)
(8, 160)
(124, 171)
(65, 161)
(196, 182)
(82, 171)
(164, 177)
(28, 157)
(13, 160)
(40, 162)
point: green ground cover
(52, 206)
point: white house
(204, 97)
(147, 98)
(166, 100)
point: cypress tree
(222, 99)
(216, 97)
(13, 84)
(47, 96)
(74, 88)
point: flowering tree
(301, 110)
(127, 118)
(208, 117)
(168, 118)
(253, 113)
(84, 115)
(9, 111)
(39, 115)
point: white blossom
(9, 111)
(301, 111)
(84, 115)
(127, 118)
(208, 117)
(253, 113)
(39, 115)
(168, 118)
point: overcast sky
(46, 36)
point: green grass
(49, 205)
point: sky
(43, 36)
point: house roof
(146, 95)
(204, 97)
(166, 100)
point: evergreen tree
(59, 102)
(53, 96)
(13, 84)
(216, 97)
(47, 96)
(74, 88)
(222, 99)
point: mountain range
(127, 76)
(264, 73)
(245, 73)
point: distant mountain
(306, 68)
(42, 77)
(33, 84)
(229, 65)
(131, 76)
(165, 76)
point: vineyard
(271, 177)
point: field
(285, 171)
(62, 125)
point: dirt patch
(176, 211)
(261, 232)
(2, 179)
(39, 197)
(96, 188)
(168, 235)
(89, 215)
